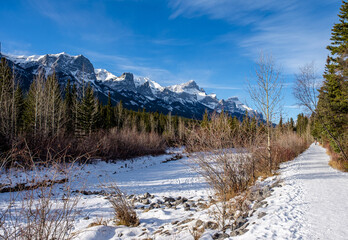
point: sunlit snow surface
(311, 204)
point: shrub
(123, 210)
(107, 144)
(127, 143)
(336, 160)
(38, 210)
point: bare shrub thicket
(231, 158)
(40, 209)
(123, 210)
(111, 144)
(224, 155)
(128, 143)
(222, 158)
(288, 146)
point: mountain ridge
(185, 99)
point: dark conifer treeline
(331, 114)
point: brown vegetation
(39, 211)
(336, 160)
(231, 159)
(123, 210)
(106, 144)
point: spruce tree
(87, 112)
(205, 120)
(69, 110)
(110, 118)
(332, 109)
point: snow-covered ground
(311, 204)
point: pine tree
(69, 110)
(75, 108)
(292, 125)
(119, 113)
(87, 112)
(280, 124)
(332, 109)
(205, 120)
(110, 118)
(302, 124)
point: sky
(214, 42)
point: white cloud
(295, 106)
(295, 31)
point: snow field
(311, 204)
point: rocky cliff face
(187, 99)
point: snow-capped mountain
(186, 99)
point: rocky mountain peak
(191, 84)
(129, 77)
(185, 99)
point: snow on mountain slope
(21, 59)
(186, 99)
(155, 87)
(78, 67)
(192, 88)
(104, 75)
(184, 93)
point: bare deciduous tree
(266, 93)
(306, 91)
(306, 87)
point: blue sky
(214, 42)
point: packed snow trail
(312, 204)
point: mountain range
(187, 99)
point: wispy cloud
(295, 32)
(295, 106)
(220, 87)
(233, 11)
(15, 47)
(138, 66)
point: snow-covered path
(312, 204)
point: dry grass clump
(123, 210)
(196, 232)
(98, 222)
